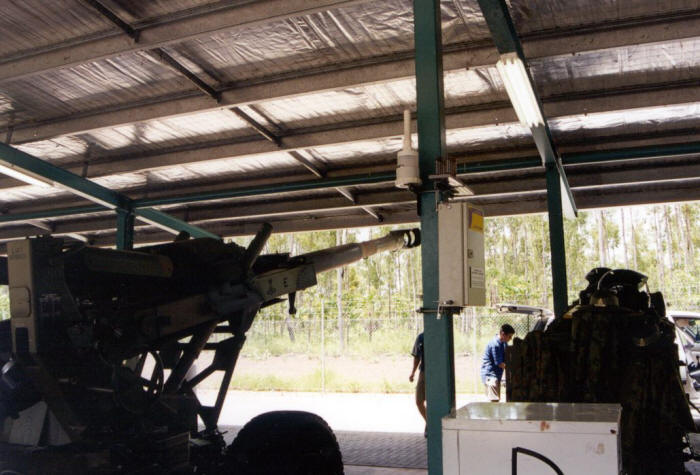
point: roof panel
(632, 121)
(227, 168)
(462, 87)
(92, 86)
(342, 37)
(171, 132)
(323, 39)
(654, 63)
(140, 11)
(29, 25)
(537, 15)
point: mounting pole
(556, 239)
(125, 230)
(438, 336)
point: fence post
(323, 348)
(475, 357)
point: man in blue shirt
(494, 362)
(418, 361)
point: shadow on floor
(366, 450)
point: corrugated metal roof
(304, 47)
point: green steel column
(556, 239)
(439, 347)
(125, 229)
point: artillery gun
(99, 356)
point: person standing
(494, 362)
(419, 363)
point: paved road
(375, 413)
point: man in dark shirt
(419, 363)
(494, 362)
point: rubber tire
(285, 443)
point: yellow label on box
(476, 220)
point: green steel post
(556, 239)
(439, 344)
(125, 229)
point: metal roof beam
(43, 172)
(275, 139)
(228, 212)
(493, 206)
(40, 224)
(390, 68)
(171, 224)
(515, 202)
(227, 229)
(353, 199)
(508, 206)
(592, 198)
(114, 18)
(342, 178)
(163, 34)
(383, 128)
(163, 57)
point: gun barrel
(345, 254)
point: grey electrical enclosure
(461, 255)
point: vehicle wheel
(285, 442)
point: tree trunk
(634, 241)
(690, 248)
(624, 237)
(659, 249)
(602, 240)
(290, 328)
(339, 296)
(670, 240)
(544, 268)
(528, 257)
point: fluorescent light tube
(25, 176)
(519, 89)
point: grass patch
(334, 382)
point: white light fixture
(407, 171)
(519, 89)
(23, 175)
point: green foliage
(659, 241)
(380, 294)
(4, 303)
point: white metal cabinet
(579, 438)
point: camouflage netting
(619, 350)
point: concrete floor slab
(355, 470)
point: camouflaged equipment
(612, 354)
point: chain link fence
(324, 340)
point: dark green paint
(173, 223)
(125, 230)
(439, 344)
(556, 240)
